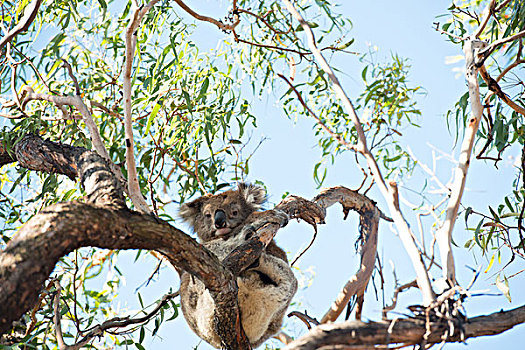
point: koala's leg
(265, 292)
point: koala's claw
(283, 218)
(249, 230)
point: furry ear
(189, 211)
(252, 194)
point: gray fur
(265, 291)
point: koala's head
(214, 216)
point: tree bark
(405, 331)
(104, 222)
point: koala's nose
(220, 219)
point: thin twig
(222, 26)
(333, 134)
(30, 13)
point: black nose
(220, 219)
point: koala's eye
(208, 215)
(235, 212)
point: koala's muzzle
(221, 223)
(220, 219)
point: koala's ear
(253, 194)
(189, 211)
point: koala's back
(265, 293)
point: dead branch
(404, 331)
(369, 221)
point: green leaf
(140, 300)
(312, 25)
(203, 90)
(139, 346)
(363, 73)
(142, 334)
(152, 116)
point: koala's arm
(247, 252)
(256, 219)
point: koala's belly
(259, 305)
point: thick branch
(406, 331)
(104, 222)
(444, 235)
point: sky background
(285, 164)
(286, 160)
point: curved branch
(369, 222)
(211, 20)
(30, 13)
(403, 228)
(407, 331)
(103, 222)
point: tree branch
(30, 13)
(487, 13)
(401, 223)
(76, 101)
(102, 222)
(444, 235)
(219, 24)
(495, 88)
(488, 50)
(368, 226)
(405, 332)
(131, 43)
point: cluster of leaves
(386, 106)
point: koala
(222, 223)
